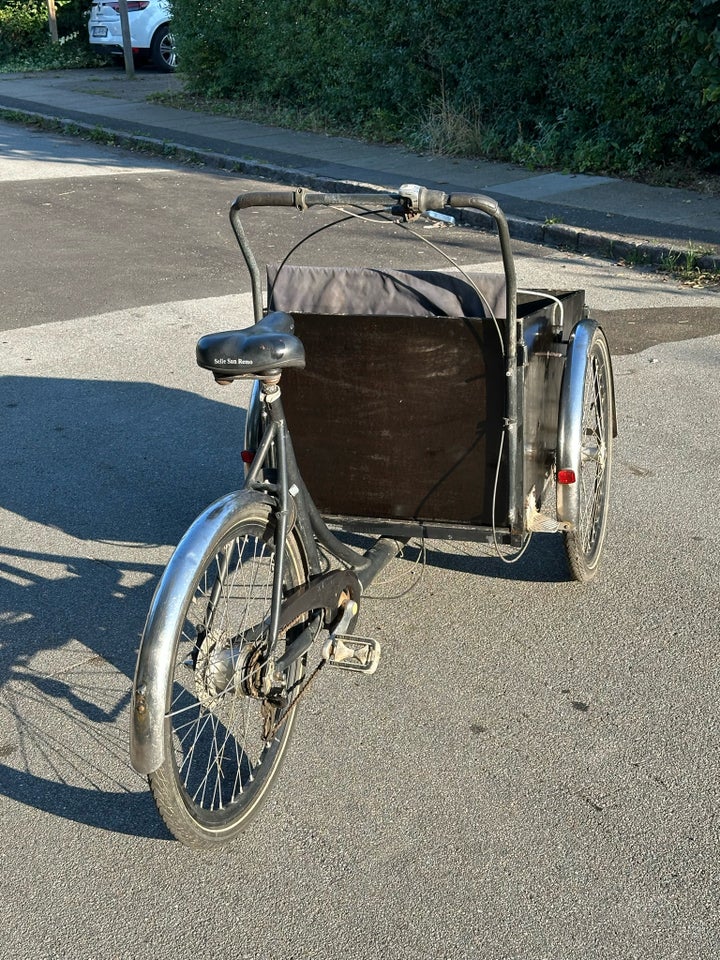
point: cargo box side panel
(399, 417)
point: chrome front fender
(163, 625)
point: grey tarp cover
(365, 291)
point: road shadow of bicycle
(100, 478)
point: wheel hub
(223, 669)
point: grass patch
(71, 53)
(636, 258)
(687, 267)
(255, 111)
(684, 177)
(445, 131)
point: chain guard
(218, 665)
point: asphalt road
(532, 771)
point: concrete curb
(606, 246)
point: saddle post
(277, 431)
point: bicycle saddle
(265, 348)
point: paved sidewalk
(597, 215)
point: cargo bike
(441, 404)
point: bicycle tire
(221, 751)
(584, 543)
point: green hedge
(24, 23)
(614, 85)
(699, 34)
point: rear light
(566, 476)
(132, 5)
(247, 456)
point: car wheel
(162, 51)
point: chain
(303, 690)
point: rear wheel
(228, 722)
(162, 50)
(584, 543)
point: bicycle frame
(292, 498)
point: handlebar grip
(265, 198)
(433, 200)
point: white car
(150, 35)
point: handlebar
(410, 199)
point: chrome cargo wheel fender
(164, 622)
(570, 418)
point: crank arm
(336, 594)
(299, 646)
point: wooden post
(127, 45)
(52, 20)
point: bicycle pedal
(347, 652)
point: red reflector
(566, 476)
(247, 456)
